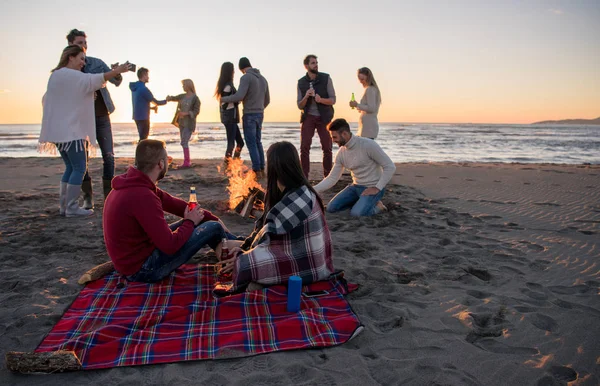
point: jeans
(233, 137)
(105, 140)
(76, 164)
(307, 132)
(185, 134)
(351, 197)
(159, 265)
(252, 134)
(143, 127)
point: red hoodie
(134, 221)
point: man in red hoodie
(141, 244)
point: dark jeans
(307, 132)
(143, 127)
(252, 134)
(105, 140)
(159, 265)
(233, 137)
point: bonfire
(246, 195)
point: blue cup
(294, 292)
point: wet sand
(479, 274)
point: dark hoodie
(134, 221)
(141, 97)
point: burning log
(252, 206)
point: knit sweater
(367, 162)
(69, 108)
(368, 125)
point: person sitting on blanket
(292, 237)
(140, 243)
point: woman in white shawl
(68, 122)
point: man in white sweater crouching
(370, 167)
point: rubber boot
(62, 198)
(106, 187)
(72, 197)
(88, 195)
(186, 158)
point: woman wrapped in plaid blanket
(292, 237)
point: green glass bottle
(353, 100)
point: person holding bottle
(141, 244)
(368, 125)
(188, 108)
(68, 122)
(316, 97)
(230, 112)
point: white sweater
(69, 108)
(367, 162)
(368, 125)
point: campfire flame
(241, 181)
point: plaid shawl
(294, 240)
(114, 322)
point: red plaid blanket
(118, 323)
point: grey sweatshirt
(253, 91)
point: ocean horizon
(403, 142)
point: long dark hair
(225, 78)
(283, 165)
(68, 52)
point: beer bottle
(224, 249)
(353, 100)
(192, 202)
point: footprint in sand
(533, 246)
(543, 322)
(481, 274)
(546, 203)
(534, 295)
(478, 294)
(443, 178)
(526, 183)
(563, 373)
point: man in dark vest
(316, 98)
(103, 107)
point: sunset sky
(435, 61)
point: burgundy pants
(307, 133)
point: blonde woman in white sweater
(368, 125)
(68, 122)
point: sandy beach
(479, 274)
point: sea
(403, 142)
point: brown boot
(237, 152)
(88, 195)
(106, 187)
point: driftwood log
(97, 272)
(42, 362)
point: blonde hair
(68, 52)
(370, 80)
(188, 85)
